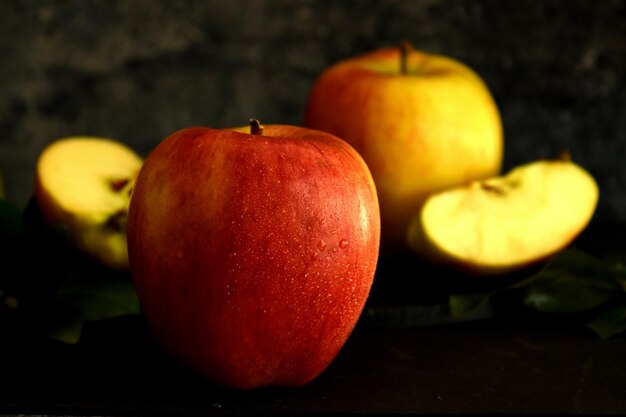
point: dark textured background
(139, 70)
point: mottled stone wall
(139, 70)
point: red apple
(253, 253)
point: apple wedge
(84, 184)
(506, 223)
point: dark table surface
(485, 367)
(496, 364)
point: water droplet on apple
(179, 254)
(343, 243)
(306, 225)
(321, 245)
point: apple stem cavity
(256, 128)
(405, 50)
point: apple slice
(84, 184)
(507, 223)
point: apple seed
(493, 188)
(499, 188)
(117, 221)
(118, 185)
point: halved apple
(84, 184)
(507, 223)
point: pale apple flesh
(507, 223)
(84, 184)
(253, 255)
(431, 128)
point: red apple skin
(253, 256)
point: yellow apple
(506, 223)
(84, 184)
(422, 123)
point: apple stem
(405, 50)
(565, 156)
(256, 128)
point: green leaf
(463, 305)
(82, 299)
(620, 271)
(567, 293)
(573, 282)
(46, 288)
(32, 215)
(39, 260)
(610, 322)
(10, 219)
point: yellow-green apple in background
(422, 122)
(504, 224)
(83, 183)
(253, 251)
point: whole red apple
(253, 253)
